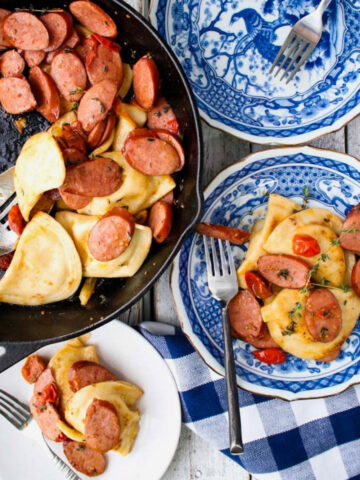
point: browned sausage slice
(111, 235)
(150, 155)
(106, 65)
(75, 137)
(25, 31)
(46, 94)
(109, 127)
(34, 58)
(102, 426)
(69, 74)
(59, 25)
(94, 178)
(174, 141)
(263, 340)
(3, 14)
(323, 315)
(85, 373)
(33, 368)
(245, 315)
(74, 39)
(168, 198)
(93, 18)
(73, 156)
(53, 194)
(96, 103)
(146, 82)
(16, 95)
(12, 64)
(84, 459)
(73, 201)
(47, 418)
(284, 270)
(162, 116)
(350, 235)
(96, 133)
(46, 378)
(233, 235)
(355, 278)
(160, 220)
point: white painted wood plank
(353, 138)
(180, 466)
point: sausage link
(59, 25)
(84, 459)
(111, 235)
(96, 103)
(284, 270)
(323, 315)
(75, 136)
(245, 315)
(106, 64)
(16, 220)
(46, 94)
(96, 133)
(160, 220)
(16, 95)
(84, 373)
(233, 235)
(174, 141)
(34, 58)
(350, 235)
(102, 426)
(146, 82)
(25, 31)
(74, 39)
(3, 14)
(47, 417)
(355, 278)
(74, 201)
(12, 64)
(162, 116)
(109, 127)
(33, 368)
(5, 260)
(73, 156)
(69, 74)
(93, 18)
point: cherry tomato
(270, 355)
(62, 437)
(173, 126)
(49, 394)
(90, 49)
(117, 106)
(5, 260)
(115, 47)
(305, 245)
(257, 285)
(16, 220)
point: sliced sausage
(74, 39)
(69, 74)
(146, 82)
(350, 234)
(5, 260)
(263, 340)
(329, 358)
(33, 368)
(51, 55)
(74, 201)
(174, 141)
(94, 178)
(168, 198)
(106, 64)
(34, 58)
(75, 137)
(111, 235)
(245, 315)
(16, 95)
(93, 18)
(46, 378)
(102, 426)
(96, 103)
(47, 418)
(233, 235)
(284, 270)
(59, 25)
(53, 194)
(46, 94)
(109, 127)
(355, 278)
(85, 373)
(162, 116)
(84, 459)
(73, 156)
(150, 155)
(323, 315)
(12, 64)
(160, 220)
(96, 133)
(25, 31)
(3, 14)
(16, 220)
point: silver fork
(223, 286)
(7, 236)
(19, 415)
(301, 41)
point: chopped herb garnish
(344, 288)
(351, 230)
(77, 90)
(75, 105)
(325, 282)
(38, 10)
(80, 447)
(296, 310)
(157, 114)
(150, 139)
(67, 50)
(304, 290)
(106, 68)
(345, 302)
(284, 272)
(335, 242)
(102, 108)
(327, 220)
(290, 329)
(324, 332)
(166, 109)
(324, 257)
(306, 194)
(42, 407)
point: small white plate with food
(106, 402)
(294, 213)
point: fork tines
(212, 262)
(296, 50)
(16, 412)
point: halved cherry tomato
(270, 355)
(5, 260)
(305, 245)
(116, 106)
(90, 49)
(16, 220)
(115, 47)
(50, 393)
(257, 285)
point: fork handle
(236, 444)
(322, 6)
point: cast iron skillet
(24, 329)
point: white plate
(125, 352)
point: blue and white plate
(239, 195)
(226, 48)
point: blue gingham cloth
(299, 440)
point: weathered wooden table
(195, 459)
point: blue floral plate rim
(270, 389)
(162, 16)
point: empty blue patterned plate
(239, 195)
(226, 48)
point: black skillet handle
(14, 352)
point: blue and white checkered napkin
(299, 440)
